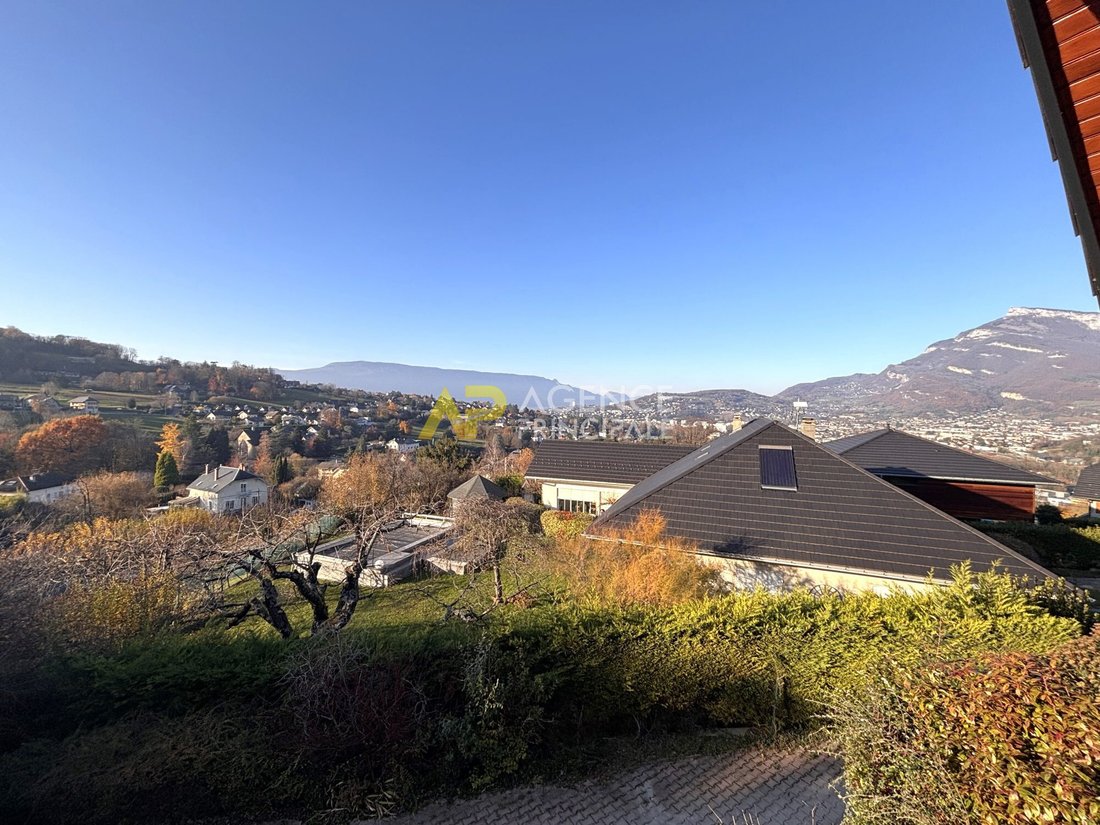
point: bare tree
(490, 527)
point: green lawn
(408, 608)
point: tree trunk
(267, 607)
(309, 589)
(349, 598)
(498, 583)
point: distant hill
(1030, 362)
(530, 391)
(710, 404)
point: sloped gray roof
(1088, 483)
(478, 487)
(841, 516)
(610, 462)
(35, 482)
(219, 478)
(893, 453)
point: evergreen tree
(281, 472)
(167, 473)
(217, 443)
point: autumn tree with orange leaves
(66, 445)
(173, 441)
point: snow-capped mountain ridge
(1033, 361)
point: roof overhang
(1041, 53)
(1000, 482)
(625, 485)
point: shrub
(635, 565)
(1004, 738)
(1048, 514)
(147, 768)
(559, 524)
(512, 484)
(1057, 545)
(105, 611)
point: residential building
(248, 442)
(401, 547)
(43, 404)
(588, 476)
(403, 445)
(227, 490)
(1087, 488)
(40, 488)
(962, 484)
(768, 506)
(88, 404)
(333, 468)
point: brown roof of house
(1060, 43)
(895, 454)
(838, 517)
(608, 462)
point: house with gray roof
(768, 506)
(40, 488)
(962, 484)
(588, 476)
(226, 490)
(1087, 488)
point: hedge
(1056, 545)
(1011, 737)
(468, 707)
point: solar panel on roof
(777, 468)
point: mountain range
(529, 391)
(1030, 362)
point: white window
(573, 506)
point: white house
(403, 445)
(228, 490)
(85, 403)
(40, 488)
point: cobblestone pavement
(761, 787)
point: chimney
(207, 471)
(808, 427)
(735, 425)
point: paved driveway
(756, 786)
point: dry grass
(635, 565)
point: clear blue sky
(690, 195)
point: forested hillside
(68, 361)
